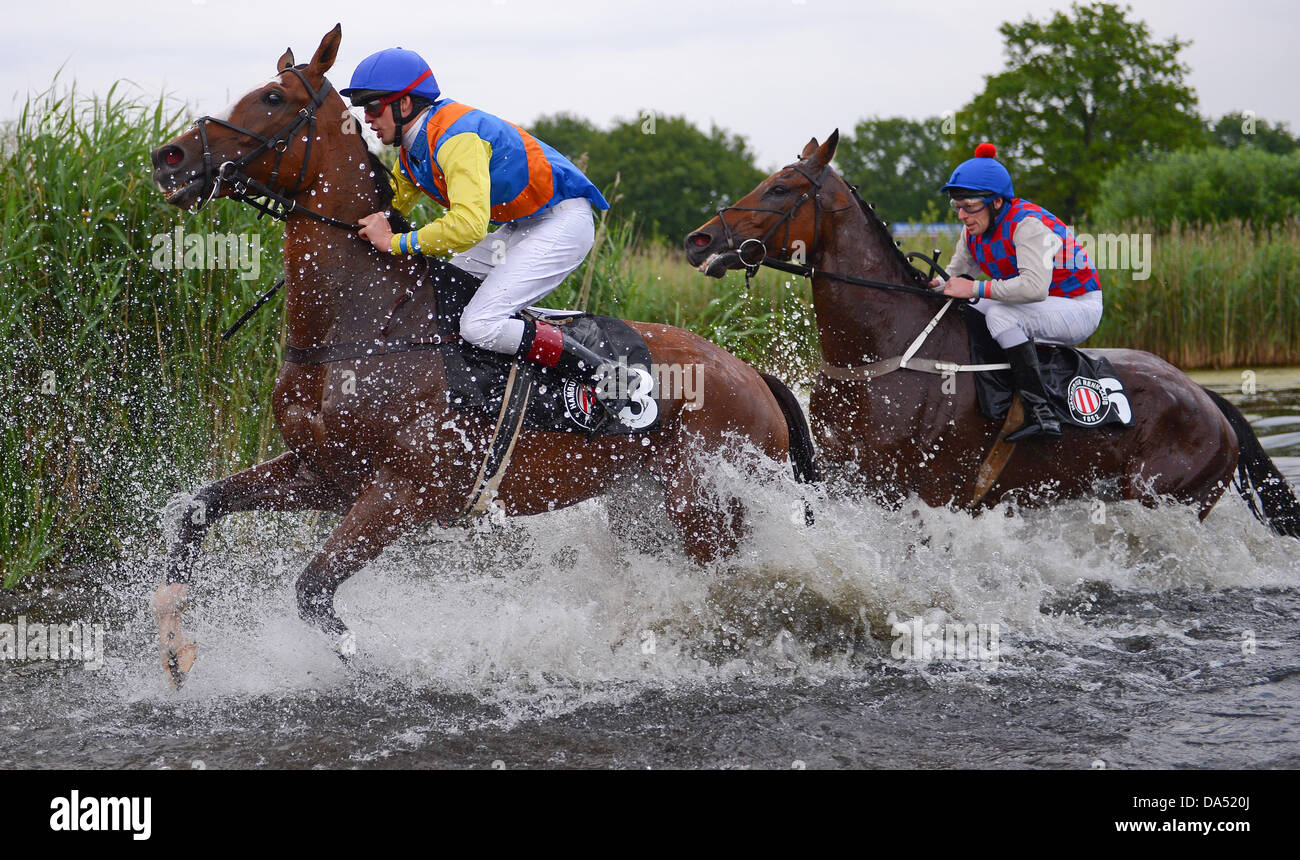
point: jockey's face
(383, 125)
(978, 222)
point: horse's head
(780, 218)
(266, 135)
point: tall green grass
(1218, 296)
(117, 390)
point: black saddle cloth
(1082, 389)
(477, 378)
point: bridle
(271, 199)
(279, 203)
(758, 256)
(814, 192)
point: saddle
(1082, 388)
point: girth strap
(363, 349)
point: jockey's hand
(375, 229)
(959, 288)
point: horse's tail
(1258, 481)
(801, 444)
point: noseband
(752, 252)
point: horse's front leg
(286, 483)
(386, 508)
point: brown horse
(906, 432)
(387, 452)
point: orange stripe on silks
(438, 125)
(541, 183)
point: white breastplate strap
(867, 372)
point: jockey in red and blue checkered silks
(1038, 286)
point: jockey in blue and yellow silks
(1042, 285)
(483, 170)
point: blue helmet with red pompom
(982, 173)
(393, 70)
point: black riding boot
(1040, 420)
(548, 346)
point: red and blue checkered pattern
(1072, 273)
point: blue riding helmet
(393, 70)
(982, 173)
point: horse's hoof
(178, 660)
(346, 647)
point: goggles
(969, 204)
(373, 109)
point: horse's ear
(325, 54)
(809, 149)
(827, 151)
(286, 60)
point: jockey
(483, 170)
(1042, 285)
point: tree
(672, 176)
(1202, 186)
(571, 135)
(897, 163)
(1080, 93)
(1239, 129)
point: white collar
(411, 130)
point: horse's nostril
(701, 240)
(173, 155)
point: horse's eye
(778, 189)
(273, 98)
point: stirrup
(1039, 421)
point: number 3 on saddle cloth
(497, 384)
(1082, 389)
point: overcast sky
(775, 71)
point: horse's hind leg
(387, 508)
(710, 527)
(286, 483)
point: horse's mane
(379, 172)
(917, 277)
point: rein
(761, 258)
(865, 372)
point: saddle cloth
(1082, 388)
(477, 378)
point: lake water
(1147, 640)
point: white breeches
(1055, 319)
(521, 262)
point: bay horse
(387, 452)
(905, 432)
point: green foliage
(1219, 295)
(1238, 129)
(899, 163)
(115, 387)
(674, 176)
(1081, 92)
(1203, 186)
